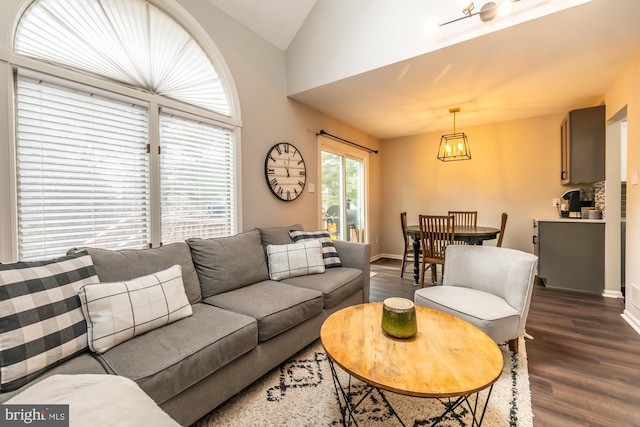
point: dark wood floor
(584, 359)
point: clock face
(285, 171)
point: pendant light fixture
(454, 146)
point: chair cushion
(119, 311)
(276, 306)
(221, 263)
(336, 284)
(490, 313)
(41, 322)
(168, 360)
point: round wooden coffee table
(448, 357)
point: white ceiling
(546, 65)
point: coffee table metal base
(348, 407)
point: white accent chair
(487, 286)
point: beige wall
(268, 117)
(626, 92)
(515, 168)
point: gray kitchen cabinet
(571, 254)
(582, 142)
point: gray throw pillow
(227, 263)
(127, 264)
(278, 235)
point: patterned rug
(301, 392)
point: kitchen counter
(560, 219)
(570, 252)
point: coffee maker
(574, 206)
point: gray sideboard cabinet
(582, 146)
(571, 254)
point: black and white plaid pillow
(41, 322)
(329, 251)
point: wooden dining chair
(503, 224)
(466, 218)
(408, 244)
(436, 233)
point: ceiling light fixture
(487, 12)
(454, 146)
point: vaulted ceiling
(385, 68)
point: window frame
(10, 61)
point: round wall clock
(285, 171)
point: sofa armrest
(356, 255)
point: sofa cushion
(329, 251)
(295, 259)
(127, 264)
(118, 311)
(93, 400)
(41, 322)
(168, 360)
(488, 312)
(277, 235)
(227, 263)
(276, 306)
(336, 284)
(83, 363)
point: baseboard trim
(612, 294)
(391, 256)
(631, 320)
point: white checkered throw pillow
(295, 259)
(118, 311)
(329, 251)
(41, 322)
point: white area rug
(301, 392)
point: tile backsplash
(599, 196)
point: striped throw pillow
(329, 251)
(41, 322)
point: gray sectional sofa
(242, 326)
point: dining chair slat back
(436, 233)
(503, 224)
(466, 218)
(408, 246)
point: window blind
(129, 41)
(82, 170)
(197, 181)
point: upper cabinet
(582, 140)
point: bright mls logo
(34, 415)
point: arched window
(126, 134)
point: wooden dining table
(472, 235)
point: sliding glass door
(343, 209)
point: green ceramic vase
(399, 318)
